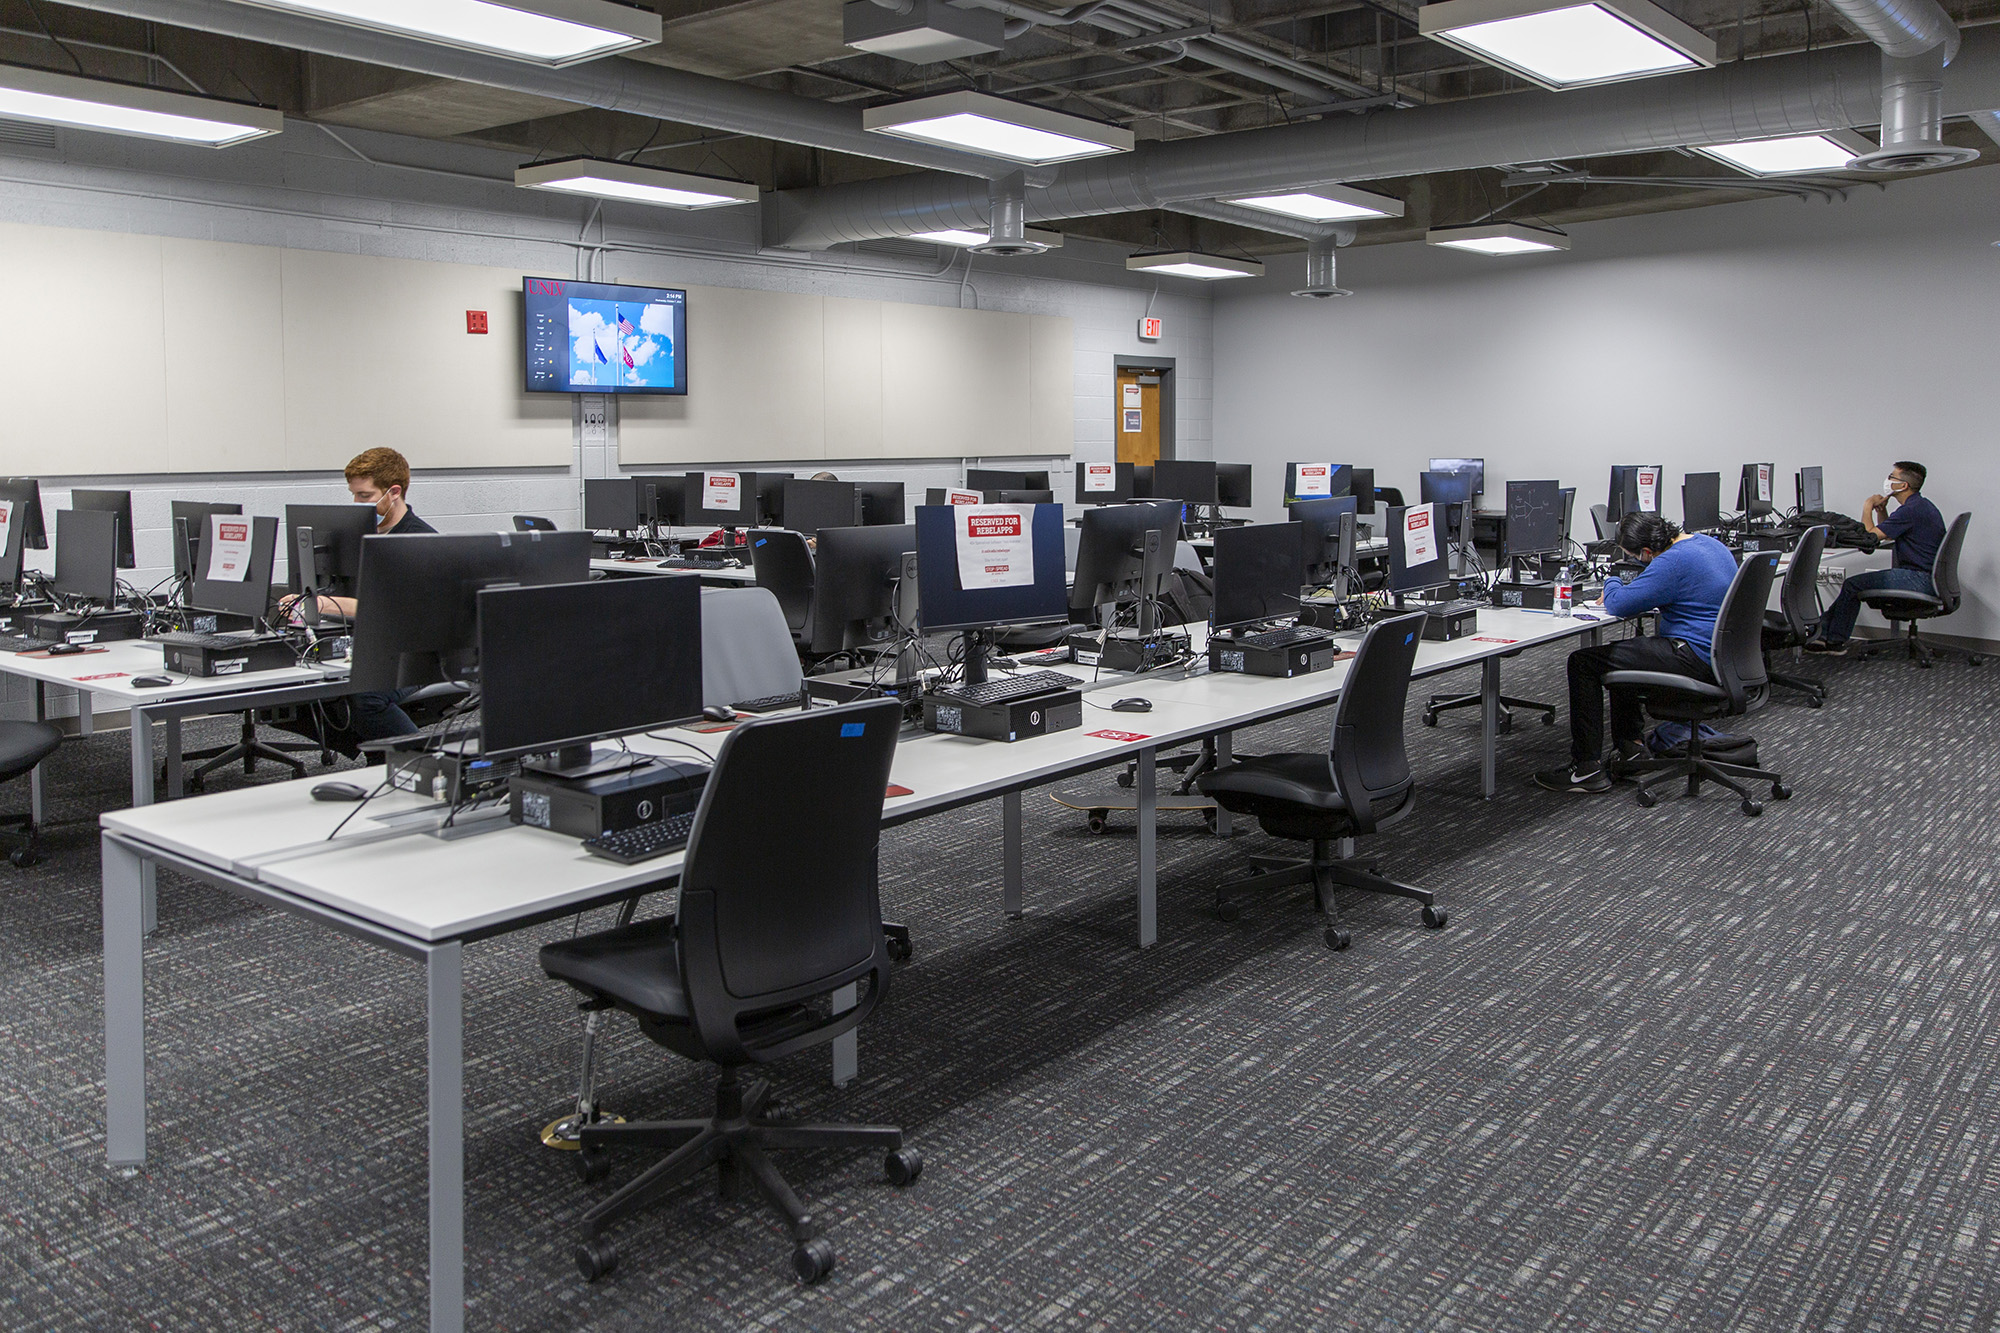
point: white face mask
(1889, 486)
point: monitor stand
(576, 762)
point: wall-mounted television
(600, 337)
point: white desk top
(111, 671)
(743, 575)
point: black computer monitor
(1103, 483)
(556, 664)
(1568, 511)
(1701, 501)
(227, 579)
(337, 531)
(1232, 486)
(21, 497)
(660, 499)
(1020, 497)
(1188, 479)
(1534, 519)
(1142, 481)
(947, 534)
(119, 504)
(997, 479)
(189, 521)
(1757, 490)
(1472, 467)
(1361, 484)
(727, 499)
(1812, 490)
(1445, 488)
(611, 504)
(1320, 529)
(771, 498)
(855, 572)
(1635, 489)
(417, 621)
(881, 502)
(87, 554)
(1111, 564)
(812, 507)
(1317, 481)
(1256, 574)
(1410, 525)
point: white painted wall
(1847, 335)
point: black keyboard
(1007, 689)
(20, 643)
(1281, 638)
(220, 642)
(632, 845)
(772, 703)
(695, 562)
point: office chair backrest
(1072, 543)
(746, 651)
(778, 897)
(1388, 495)
(1600, 518)
(784, 564)
(1944, 572)
(1370, 765)
(533, 523)
(1798, 598)
(1737, 654)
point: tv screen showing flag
(600, 337)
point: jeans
(379, 715)
(1587, 669)
(1838, 623)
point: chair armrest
(1663, 680)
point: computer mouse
(1133, 706)
(717, 713)
(152, 682)
(338, 791)
(64, 649)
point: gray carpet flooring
(1669, 1069)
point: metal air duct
(1918, 39)
(1321, 270)
(1007, 232)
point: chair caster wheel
(1647, 800)
(1436, 917)
(813, 1260)
(1974, 659)
(1227, 912)
(596, 1258)
(23, 857)
(1780, 792)
(1098, 821)
(899, 950)
(1548, 719)
(1430, 719)
(1752, 808)
(1210, 818)
(593, 1165)
(1506, 727)
(1125, 779)
(1337, 939)
(902, 1166)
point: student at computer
(1916, 529)
(1685, 577)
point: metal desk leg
(35, 802)
(847, 1046)
(1010, 885)
(175, 790)
(444, 976)
(124, 1008)
(142, 794)
(1149, 821)
(86, 715)
(1489, 727)
(1224, 756)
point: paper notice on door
(1131, 399)
(995, 546)
(1764, 483)
(1649, 490)
(1314, 479)
(1419, 535)
(1135, 422)
(228, 548)
(1100, 478)
(722, 490)
(6, 522)
(964, 498)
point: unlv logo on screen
(544, 287)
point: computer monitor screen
(233, 564)
(20, 525)
(881, 502)
(1011, 555)
(117, 503)
(1317, 481)
(1361, 484)
(188, 520)
(1319, 537)
(600, 337)
(337, 532)
(417, 620)
(1473, 467)
(1021, 497)
(1568, 511)
(87, 554)
(1232, 485)
(1445, 488)
(728, 499)
(998, 479)
(1103, 483)
(1635, 489)
(659, 499)
(1417, 549)
(771, 498)
(813, 506)
(1754, 493)
(611, 504)
(1701, 501)
(1256, 574)
(1110, 555)
(1812, 490)
(1188, 479)
(1534, 518)
(556, 661)
(855, 572)
(1142, 481)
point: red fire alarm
(475, 321)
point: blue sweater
(1685, 584)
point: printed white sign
(1419, 535)
(1314, 479)
(1135, 422)
(1764, 483)
(964, 498)
(1649, 491)
(1098, 479)
(228, 548)
(722, 490)
(1132, 396)
(995, 545)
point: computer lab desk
(713, 578)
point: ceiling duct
(1321, 270)
(1008, 228)
(1918, 39)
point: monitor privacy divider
(1256, 573)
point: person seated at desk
(1917, 531)
(1685, 577)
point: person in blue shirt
(1685, 577)
(1916, 529)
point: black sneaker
(1590, 780)
(1822, 647)
(1629, 753)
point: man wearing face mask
(1916, 529)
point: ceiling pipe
(1322, 278)
(1988, 123)
(1007, 233)
(1918, 39)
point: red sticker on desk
(1488, 638)
(1118, 735)
(108, 675)
(895, 791)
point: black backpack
(1186, 597)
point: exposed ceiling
(1191, 70)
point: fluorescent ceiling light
(1325, 203)
(547, 32)
(1562, 44)
(1498, 238)
(995, 127)
(958, 236)
(1831, 150)
(1193, 264)
(48, 98)
(638, 185)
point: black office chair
(249, 747)
(1907, 606)
(531, 523)
(1600, 518)
(1388, 495)
(1362, 786)
(1797, 616)
(784, 563)
(1739, 687)
(778, 910)
(23, 745)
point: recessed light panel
(1793, 154)
(546, 32)
(1498, 238)
(1325, 203)
(49, 98)
(1569, 45)
(639, 185)
(1192, 264)
(995, 127)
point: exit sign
(1151, 329)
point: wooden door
(1136, 403)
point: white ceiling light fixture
(545, 32)
(1194, 264)
(1498, 238)
(969, 240)
(1562, 44)
(995, 127)
(1325, 203)
(600, 179)
(1790, 155)
(48, 98)
(923, 33)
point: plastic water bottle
(1565, 594)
